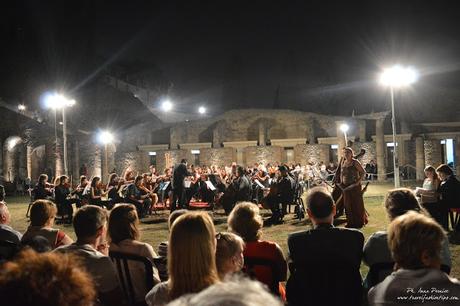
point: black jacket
(324, 266)
(450, 193)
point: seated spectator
(229, 254)
(415, 242)
(124, 237)
(45, 280)
(7, 233)
(245, 221)
(397, 202)
(324, 261)
(235, 291)
(162, 262)
(90, 225)
(191, 259)
(38, 243)
(42, 215)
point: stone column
(76, 162)
(380, 149)
(340, 138)
(401, 151)
(262, 134)
(216, 138)
(1, 158)
(239, 156)
(362, 130)
(433, 152)
(419, 158)
(22, 161)
(457, 155)
(30, 150)
(59, 161)
(311, 131)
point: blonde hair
(412, 234)
(245, 220)
(191, 254)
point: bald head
(4, 213)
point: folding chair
(120, 261)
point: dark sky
(319, 56)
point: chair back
(120, 261)
(256, 268)
(8, 249)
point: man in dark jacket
(283, 196)
(324, 261)
(179, 175)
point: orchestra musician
(43, 190)
(62, 198)
(96, 192)
(134, 196)
(281, 193)
(148, 187)
(114, 188)
(80, 190)
(179, 175)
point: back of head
(320, 202)
(123, 223)
(48, 279)
(245, 220)
(4, 213)
(2, 193)
(174, 215)
(183, 161)
(88, 220)
(228, 246)
(191, 254)
(443, 168)
(41, 212)
(401, 200)
(413, 236)
(234, 291)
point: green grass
(155, 229)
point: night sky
(320, 56)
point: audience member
(42, 215)
(7, 233)
(45, 280)
(90, 225)
(234, 291)
(124, 237)
(229, 254)
(162, 260)
(324, 261)
(415, 242)
(191, 259)
(38, 243)
(397, 202)
(449, 194)
(245, 221)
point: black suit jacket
(450, 193)
(324, 266)
(179, 174)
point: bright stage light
(398, 76)
(21, 107)
(344, 127)
(166, 106)
(202, 110)
(105, 137)
(58, 101)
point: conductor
(178, 186)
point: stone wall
(173, 156)
(137, 161)
(262, 154)
(370, 149)
(312, 153)
(433, 153)
(218, 157)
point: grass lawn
(155, 229)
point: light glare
(167, 105)
(344, 127)
(58, 101)
(105, 137)
(398, 76)
(202, 110)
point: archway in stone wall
(14, 159)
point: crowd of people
(199, 266)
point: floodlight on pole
(58, 101)
(21, 107)
(106, 138)
(166, 105)
(344, 128)
(396, 77)
(202, 110)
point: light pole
(396, 77)
(57, 101)
(105, 137)
(344, 128)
